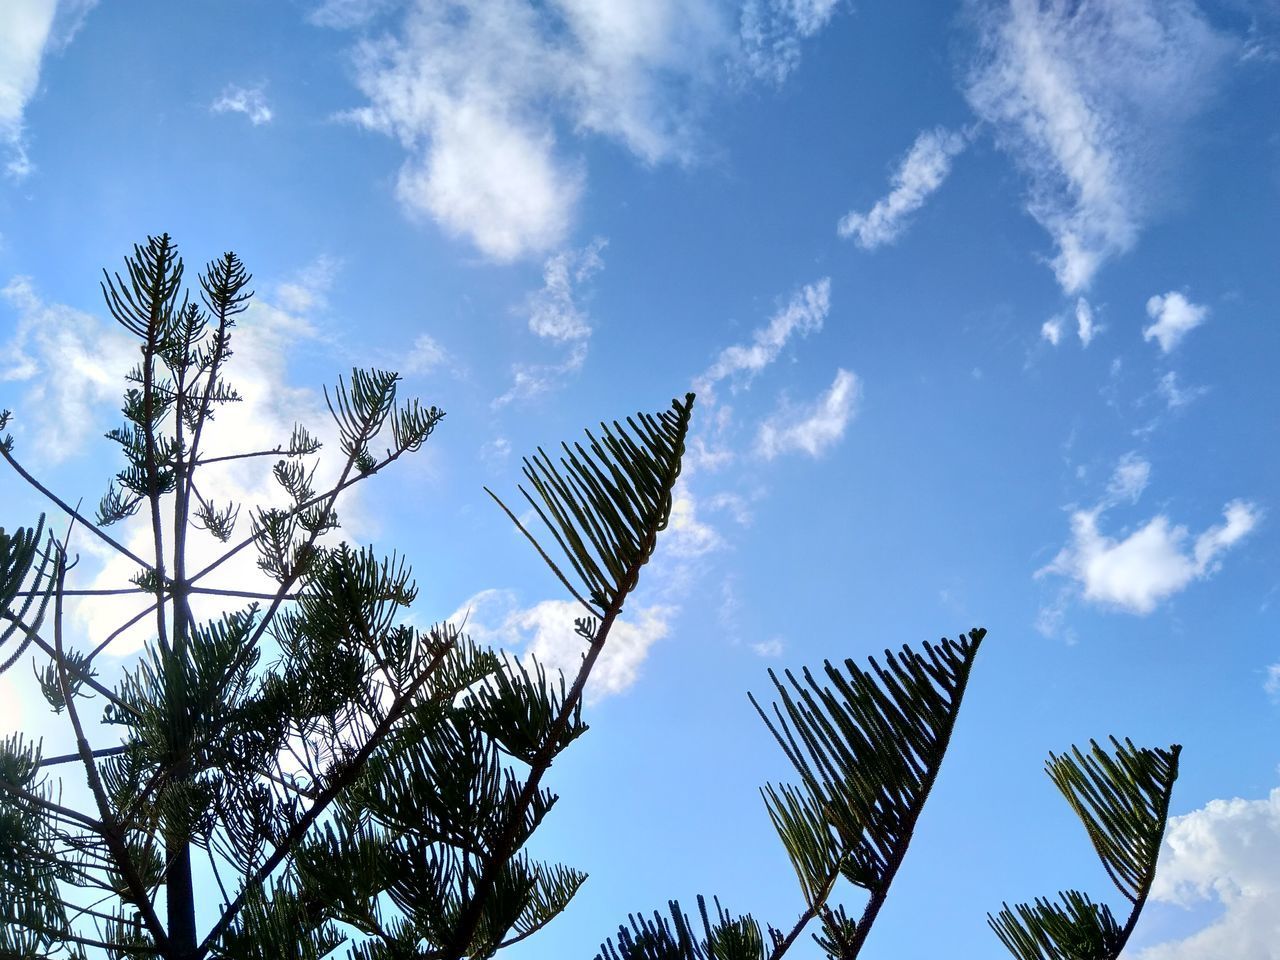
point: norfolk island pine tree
(357, 785)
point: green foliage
(352, 782)
(355, 783)
(867, 745)
(1122, 798)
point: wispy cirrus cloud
(802, 315)
(811, 428)
(251, 102)
(1087, 97)
(480, 93)
(921, 172)
(770, 33)
(557, 313)
(29, 31)
(1174, 394)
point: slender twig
(81, 671)
(107, 592)
(110, 830)
(65, 813)
(72, 757)
(136, 618)
(204, 461)
(71, 512)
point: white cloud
(803, 314)
(738, 507)
(425, 355)
(556, 313)
(1086, 328)
(687, 536)
(814, 428)
(1086, 97)
(1176, 396)
(1051, 330)
(250, 101)
(770, 33)
(1227, 852)
(1149, 565)
(74, 367)
(1175, 316)
(921, 172)
(346, 14)
(770, 648)
(474, 91)
(530, 380)
(481, 93)
(29, 29)
(1272, 684)
(545, 631)
(1130, 478)
(497, 450)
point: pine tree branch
(66, 936)
(505, 846)
(66, 813)
(136, 618)
(110, 832)
(278, 451)
(348, 775)
(806, 917)
(72, 757)
(72, 512)
(81, 670)
(105, 592)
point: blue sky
(980, 301)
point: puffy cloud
(474, 89)
(250, 101)
(477, 90)
(1151, 564)
(803, 314)
(814, 428)
(1085, 96)
(1051, 330)
(73, 365)
(1226, 851)
(921, 172)
(1175, 316)
(545, 632)
(687, 536)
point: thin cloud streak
(1085, 97)
(921, 172)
